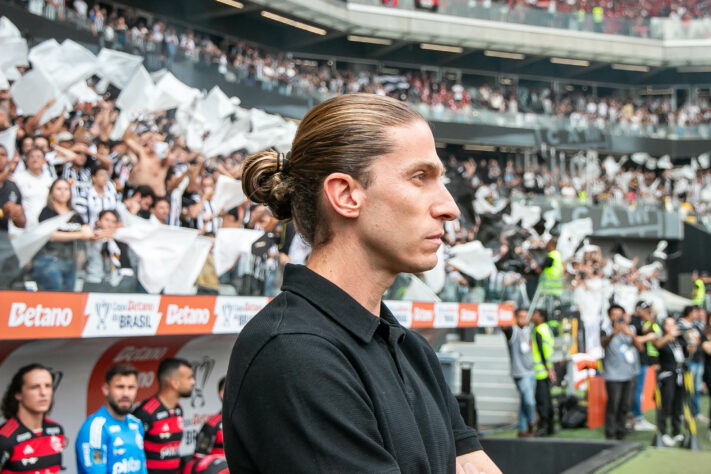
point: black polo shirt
(317, 384)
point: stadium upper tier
(460, 98)
(660, 19)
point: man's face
(401, 221)
(522, 318)
(35, 161)
(36, 394)
(27, 144)
(146, 202)
(80, 159)
(42, 144)
(120, 393)
(185, 380)
(100, 178)
(161, 210)
(616, 315)
(107, 221)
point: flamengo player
(29, 441)
(162, 416)
(209, 440)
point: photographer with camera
(621, 366)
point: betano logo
(422, 314)
(39, 316)
(186, 315)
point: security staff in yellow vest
(644, 325)
(698, 296)
(551, 279)
(542, 348)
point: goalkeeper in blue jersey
(111, 440)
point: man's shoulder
(288, 313)
(147, 407)
(9, 429)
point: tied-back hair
(341, 135)
(10, 405)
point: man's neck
(36, 174)
(31, 420)
(168, 398)
(352, 271)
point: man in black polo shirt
(325, 379)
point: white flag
(228, 194)
(184, 275)
(117, 67)
(571, 234)
(473, 259)
(230, 243)
(8, 139)
(159, 248)
(29, 242)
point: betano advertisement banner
(45, 315)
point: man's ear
(345, 194)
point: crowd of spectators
(163, 44)
(630, 9)
(71, 163)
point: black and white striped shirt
(90, 207)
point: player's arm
(205, 440)
(91, 447)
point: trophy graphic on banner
(201, 371)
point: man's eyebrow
(427, 166)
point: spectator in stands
(162, 416)
(692, 338)
(11, 209)
(141, 201)
(519, 342)
(33, 184)
(29, 438)
(670, 381)
(54, 267)
(110, 263)
(621, 366)
(161, 211)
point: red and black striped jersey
(209, 440)
(27, 451)
(211, 464)
(163, 433)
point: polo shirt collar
(334, 302)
